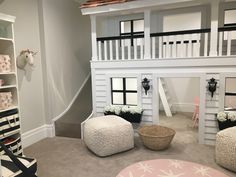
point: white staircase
(165, 98)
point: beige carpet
(183, 125)
(67, 157)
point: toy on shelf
(5, 100)
(2, 82)
(5, 64)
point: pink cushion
(169, 168)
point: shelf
(8, 109)
(6, 39)
(9, 73)
(7, 86)
(10, 134)
(7, 47)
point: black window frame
(132, 33)
(229, 94)
(123, 91)
(228, 24)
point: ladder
(164, 99)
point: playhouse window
(230, 17)
(124, 91)
(230, 20)
(230, 94)
(131, 28)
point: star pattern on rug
(203, 171)
(176, 164)
(130, 175)
(145, 167)
(170, 174)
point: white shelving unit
(10, 116)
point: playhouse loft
(154, 39)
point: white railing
(227, 41)
(121, 48)
(167, 45)
(180, 44)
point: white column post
(214, 27)
(94, 38)
(147, 38)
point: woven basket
(156, 137)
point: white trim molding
(37, 134)
(73, 100)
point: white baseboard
(37, 134)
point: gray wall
(61, 35)
(27, 36)
(67, 52)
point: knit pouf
(226, 148)
(108, 135)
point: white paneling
(211, 130)
(100, 83)
(210, 117)
(146, 100)
(100, 77)
(215, 76)
(211, 123)
(101, 105)
(147, 106)
(212, 104)
(210, 136)
(99, 110)
(101, 99)
(209, 98)
(210, 142)
(146, 118)
(101, 93)
(100, 88)
(212, 108)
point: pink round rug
(169, 168)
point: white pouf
(226, 148)
(108, 135)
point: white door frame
(202, 98)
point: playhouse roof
(95, 3)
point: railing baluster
(105, 50)
(123, 49)
(99, 51)
(174, 48)
(182, 55)
(228, 43)
(111, 50)
(117, 49)
(197, 48)
(141, 49)
(189, 46)
(153, 47)
(220, 43)
(135, 49)
(167, 47)
(206, 45)
(129, 52)
(160, 46)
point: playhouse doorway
(179, 99)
